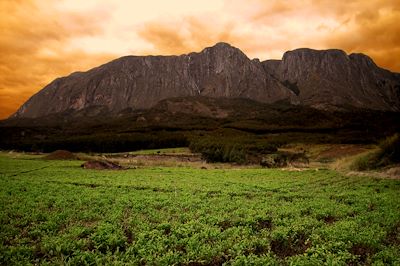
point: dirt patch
(340, 151)
(218, 260)
(159, 157)
(329, 219)
(225, 225)
(85, 185)
(394, 172)
(362, 252)
(178, 158)
(393, 236)
(129, 235)
(290, 247)
(101, 165)
(215, 261)
(61, 155)
(264, 224)
(258, 250)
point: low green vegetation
(55, 212)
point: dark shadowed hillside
(185, 120)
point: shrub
(274, 160)
(365, 162)
(219, 152)
(220, 147)
(388, 153)
(389, 150)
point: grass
(54, 212)
(387, 154)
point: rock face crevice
(321, 79)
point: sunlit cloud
(34, 48)
(41, 40)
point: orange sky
(41, 40)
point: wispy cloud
(42, 40)
(34, 48)
(187, 34)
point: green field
(55, 212)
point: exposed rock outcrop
(322, 79)
(328, 78)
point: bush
(227, 148)
(274, 160)
(219, 152)
(388, 153)
(364, 163)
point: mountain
(322, 79)
(327, 78)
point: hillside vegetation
(388, 153)
(223, 130)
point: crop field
(55, 212)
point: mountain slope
(322, 79)
(333, 78)
(178, 121)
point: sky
(41, 40)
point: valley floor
(55, 212)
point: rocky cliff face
(324, 79)
(317, 78)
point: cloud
(266, 29)
(370, 27)
(42, 40)
(373, 31)
(187, 34)
(34, 48)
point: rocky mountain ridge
(321, 79)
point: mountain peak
(303, 76)
(308, 53)
(222, 47)
(363, 59)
